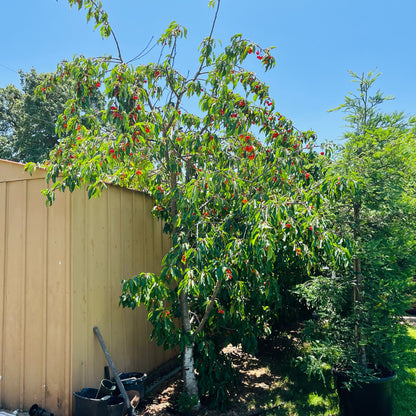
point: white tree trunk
(189, 377)
(188, 365)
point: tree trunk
(358, 277)
(361, 350)
(188, 366)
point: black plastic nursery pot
(86, 404)
(134, 381)
(367, 399)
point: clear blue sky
(317, 42)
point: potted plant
(359, 305)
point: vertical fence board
(97, 299)
(35, 297)
(13, 294)
(152, 265)
(141, 339)
(3, 221)
(67, 402)
(133, 325)
(56, 303)
(117, 325)
(79, 291)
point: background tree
(361, 307)
(28, 122)
(239, 188)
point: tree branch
(209, 308)
(94, 3)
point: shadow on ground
(295, 394)
(270, 385)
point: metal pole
(114, 371)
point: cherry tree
(239, 188)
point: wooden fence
(60, 275)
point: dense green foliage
(360, 307)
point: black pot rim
(341, 374)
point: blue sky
(317, 42)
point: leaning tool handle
(114, 371)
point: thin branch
(209, 37)
(94, 3)
(209, 307)
(117, 45)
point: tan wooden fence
(60, 275)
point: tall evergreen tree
(361, 306)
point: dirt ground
(255, 377)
